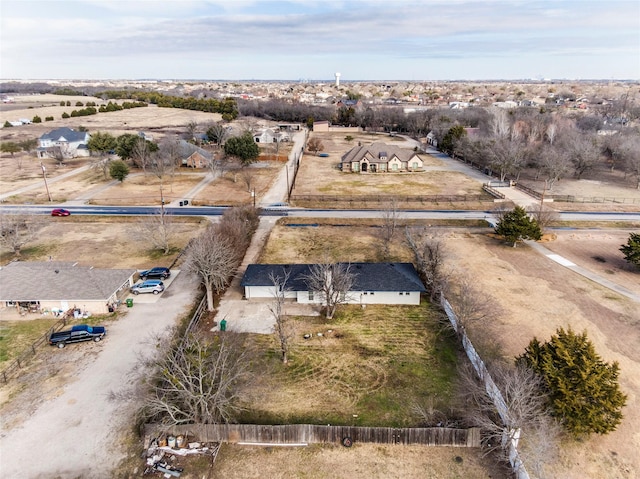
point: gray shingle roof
(66, 133)
(373, 152)
(57, 280)
(368, 276)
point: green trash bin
(129, 302)
(223, 325)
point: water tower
(337, 79)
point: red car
(60, 212)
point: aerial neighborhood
(359, 266)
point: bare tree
(429, 256)
(500, 124)
(217, 133)
(390, 219)
(554, 163)
(470, 303)
(544, 216)
(583, 151)
(282, 327)
(248, 176)
(18, 228)
(192, 129)
(197, 381)
(157, 229)
(141, 154)
(630, 150)
(332, 281)
(523, 417)
(314, 145)
(213, 258)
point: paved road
(76, 434)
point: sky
(311, 40)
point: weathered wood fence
(24, 357)
(310, 434)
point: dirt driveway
(65, 431)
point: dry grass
(233, 188)
(102, 242)
(362, 460)
(320, 176)
(376, 363)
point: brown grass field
(535, 297)
(320, 175)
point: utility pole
(253, 195)
(44, 176)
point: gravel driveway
(76, 433)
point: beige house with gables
(380, 158)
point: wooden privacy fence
(309, 434)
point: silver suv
(154, 286)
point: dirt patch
(361, 460)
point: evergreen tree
(102, 143)
(118, 170)
(516, 226)
(583, 390)
(242, 147)
(631, 250)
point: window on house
(400, 293)
(395, 167)
(365, 293)
(310, 295)
(372, 293)
(414, 165)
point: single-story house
(374, 283)
(380, 158)
(68, 142)
(193, 156)
(268, 135)
(61, 285)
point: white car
(154, 286)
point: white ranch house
(374, 283)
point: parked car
(60, 212)
(80, 332)
(157, 272)
(154, 286)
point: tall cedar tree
(516, 225)
(243, 147)
(631, 250)
(583, 390)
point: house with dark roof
(61, 285)
(380, 158)
(374, 283)
(193, 156)
(64, 141)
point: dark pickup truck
(80, 332)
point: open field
(148, 118)
(102, 242)
(320, 175)
(536, 296)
